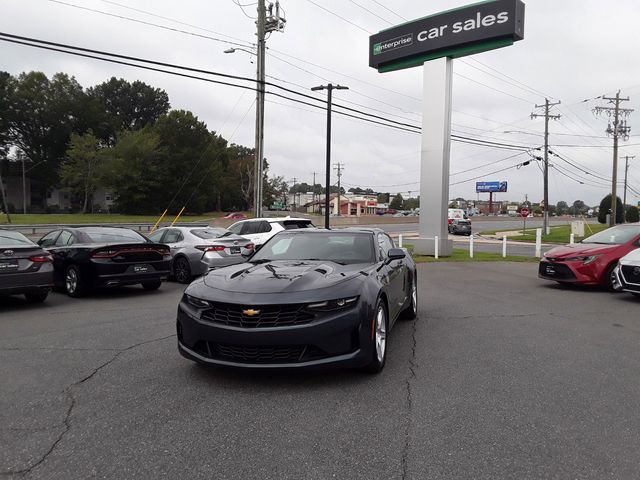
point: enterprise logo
(393, 44)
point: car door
(60, 251)
(396, 272)
(174, 238)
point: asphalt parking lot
(502, 375)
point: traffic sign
(524, 212)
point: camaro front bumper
(337, 339)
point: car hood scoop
(281, 276)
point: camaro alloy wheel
(411, 311)
(379, 354)
(182, 270)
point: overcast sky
(573, 51)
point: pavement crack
(68, 391)
(409, 400)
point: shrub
(605, 206)
(633, 215)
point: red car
(236, 215)
(591, 261)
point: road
(501, 376)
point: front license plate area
(550, 270)
(8, 266)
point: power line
(371, 12)
(389, 10)
(340, 17)
(143, 22)
(100, 55)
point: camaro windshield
(614, 235)
(343, 248)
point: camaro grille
(261, 316)
(260, 353)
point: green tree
(383, 197)
(127, 106)
(605, 208)
(133, 170)
(396, 203)
(7, 84)
(411, 203)
(562, 208)
(81, 171)
(632, 214)
(42, 114)
(275, 189)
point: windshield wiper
(260, 260)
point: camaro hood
(579, 249)
(283, 276)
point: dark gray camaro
(25, 268)
(307, 298)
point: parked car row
(78, 259)
(610, 259)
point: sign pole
(434, 164)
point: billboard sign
(454, 33)
(491, 187)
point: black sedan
(89, 257)
(306, 298)
(25, 268)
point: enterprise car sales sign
(454, 33)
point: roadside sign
(524, 212)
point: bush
(605, 206)
(633, 214)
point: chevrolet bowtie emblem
(250, 312)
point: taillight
(450, 221)
(215, 248)
(249, 246)
(166, 253)
(41, 259)
(104, 254)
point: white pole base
(427, 246)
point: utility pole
(547, 106)
(619, 129)
(626, 171)
(339, 167)
(294, 180)
(329, 88)
(266, 24)
(313, 190)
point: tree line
(124, 137)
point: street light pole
(329, 88)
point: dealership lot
(502, 376)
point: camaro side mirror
(396, 254)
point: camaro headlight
(586, 259)
(196, 302)
(332, 305)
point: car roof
(275, 219)
(315, 231)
